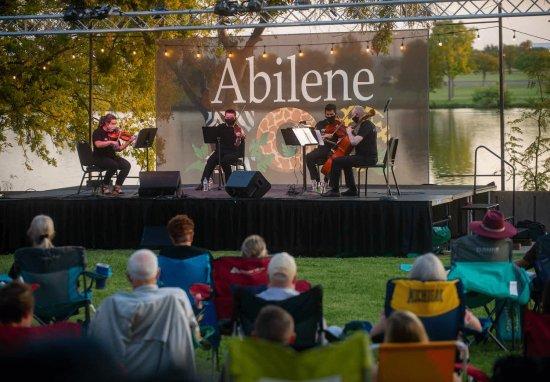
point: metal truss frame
(302, 13)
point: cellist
(362, 136)
(330, 133)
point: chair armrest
(94, 276)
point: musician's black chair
(392, 149)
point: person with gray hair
(362, 137)
(282, 272)
(150, 330)
(254, 246)
(428, 267)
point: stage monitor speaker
(247, 184)
(159, 183)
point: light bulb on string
(514, 36)
(439, 43)
(73, 56)
(102, 50)
(166, 53)
(134, 52)
(332, 49)
(368, 46)
(14, 77)
(230, 54)
(478, 34)
(402, 47)
(264, 54)
(300, 53)
(198, 54)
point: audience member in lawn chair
(65, 285)
(437, 302)
(190, 268)
(490, 240)
(305, 308)
(538, 257)
(406, 343)
(181, 230)
(231, 272)
(40, 233)
(149, 330)
(16, 316)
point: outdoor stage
(305, 225)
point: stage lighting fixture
(253, 5)
(76, 13)
(227, 8)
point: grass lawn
(465, 85)
(354, 289)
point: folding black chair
(392, 148)
(85, 156)
(240, 164)
(306, 309)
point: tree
(484, 63)
(511, 53)
(450, 50)
(533, 158)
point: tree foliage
(484, 63)
(533, 158)
(450, 48)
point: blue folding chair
(438, 304)
(64, 284)
(184, 273)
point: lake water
(454, 134)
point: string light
(230, 55)
(368, 46)
(198, 54)
(166, 54)
(73, 56)
(300, 53)
(402, 47)
(134, 52)
(478, 34)
(14, 77)
(332, 49)
(102, 50)
(514, 36)
(264, 54)
(440, 43)
(44, 67)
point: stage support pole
(501, 101)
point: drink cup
(103, 270)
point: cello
(344, 146)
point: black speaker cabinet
(159, 183)
(247, 184)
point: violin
(239, 134)
(117, 134)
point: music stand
(212, 134)
(144, 140)
(302, 136)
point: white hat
(282, 266)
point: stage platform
(305, 225)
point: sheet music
(304, 136)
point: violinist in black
(104, 155)
(322, 152)
(231, 139)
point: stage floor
(434, 194)
(305, 225)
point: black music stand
(212, 134)
(292, 137)
(144, 140)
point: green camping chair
(503, 283)
(252, 359)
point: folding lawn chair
(252, 359)
(306, 309)
(185, 274)
(503, 283)
(64, 284)
(438, 304)
(419, 362)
